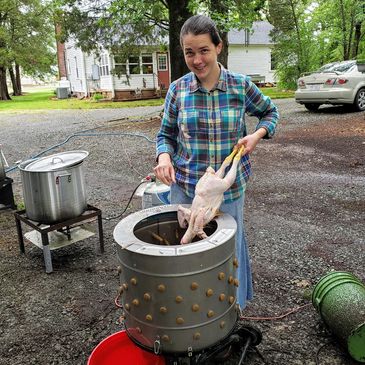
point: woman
(203, 120)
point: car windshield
(339, 67)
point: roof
(259, 34)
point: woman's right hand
(164, 170)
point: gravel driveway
(305, 214)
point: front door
(163, 72)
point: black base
(6, 194)
(237, 342)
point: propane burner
(235, 344)
(49, 237)
(164, 229)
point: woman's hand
(164, 170)
(251, 140)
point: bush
(97, 96)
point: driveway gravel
(305, 214)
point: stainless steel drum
(54, 186)
(177, 298)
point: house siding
(135, 81)
(75, 68)
(252, 60)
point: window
(340, 67)
(120, 65)
(273, 62)
(162, 62)
(147, 64)
(104, 65)
(133, 63)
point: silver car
(334, 83)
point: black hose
(129, 201)
(244, 351)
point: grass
(275, 93)
(45, 99)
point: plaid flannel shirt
(199, 128)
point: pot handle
(59, 177)
(56, 158)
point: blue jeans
(235, 209)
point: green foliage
(97, 96)
(309, 34)
(27, 36)
(121, 26)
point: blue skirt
(235, 209)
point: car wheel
(359, 102)
(312, 107)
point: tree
(123, 26)
(309, 34)
(340, 24)
(26, 41)
(291, 38)
(178, 14)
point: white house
(147, 75)
(249, 52)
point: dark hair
(200, 24)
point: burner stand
(6, 194)
(239, 341)
(44, 229)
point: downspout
(85, 76)
(110, 73)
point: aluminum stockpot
(54, 187)
(176, 298)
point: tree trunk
(16, 91)
(223, 57)
(302, 64)
(4, 94)
(357, 37)
(344, 30)
(220, 7)
(17, 78)
(178, 13)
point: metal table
(45, 229)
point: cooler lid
(57, 161)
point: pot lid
(56, 161)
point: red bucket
(119, 349)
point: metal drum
(176, 298)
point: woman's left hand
(251, 140)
